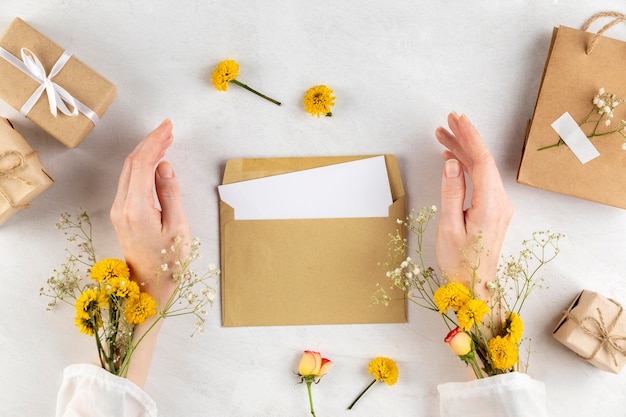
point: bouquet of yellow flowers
(109, 304)
(485, 334)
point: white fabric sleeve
(90, 391)
(513, 395)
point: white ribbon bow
(57, 95)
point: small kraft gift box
(22, 177)
(594, 327)
(575, 143)
(50, 86)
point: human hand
(143, 230)
(487, 216)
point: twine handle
(619, 18)
(602, 334)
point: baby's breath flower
(600, 117)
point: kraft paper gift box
(594, 327)
(22, 177)
(77, 88)
(579, 63)
(322, 271)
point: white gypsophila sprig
(517, 276)
(599, 120)
(409, 274)
(194, 292)
(67, 282)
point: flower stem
(559, 143)
(308, 388)
(240, 84)
(361, 394)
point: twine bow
(58, 98)
(602, 333)
(8, 173)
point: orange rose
(313, 365)
(459, 341)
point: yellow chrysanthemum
(514, 327)
(86, 325)
(318, 100)
(471, 313)
(106, 269)
(224, 72)
(91, 300)
(122, 287)
(140, 308)
(452, 295)
(503, 352)
(88, 317)
(384, 369)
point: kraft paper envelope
(306, 271)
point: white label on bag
(575, 138)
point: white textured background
(397, 68)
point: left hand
(143, 230)
(487, 216)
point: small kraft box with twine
(594, 327)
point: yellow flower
(227, 72)
(88, 316)
(383, 369)
(106, 269)
(514, 327)
(91, 300)
(224, 72)
(86, 325)
(452, 295)
(472, 313)
(122, 287)
(140, 308)
(503, 352)
(318, 100)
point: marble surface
(397, 69)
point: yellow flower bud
(459, 341)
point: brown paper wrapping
(77, 78)
(594, 327)
(22, 178)
(305, 271)
(571, 79)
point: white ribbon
(57, 95)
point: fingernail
(164, 170)
(452, 168)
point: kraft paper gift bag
(22, 178)
(305, 271)
(578, 66)
(42, 80)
